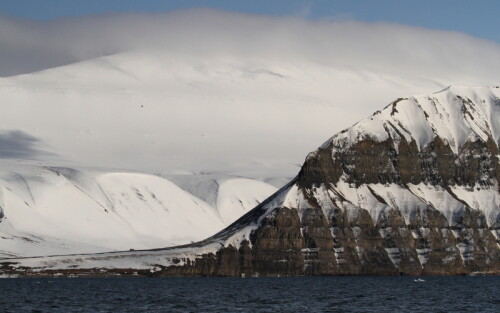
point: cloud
(27, 46)
(219, 89)
(16, 144)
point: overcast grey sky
(478, 18)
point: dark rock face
(340, 247)
(371, 162)
(350, 249)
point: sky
(477, 18)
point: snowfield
(173, 114)
(54, 210)
(231, 196)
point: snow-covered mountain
(220, 107)
(413, 189)
(55, 210)
(441, 148)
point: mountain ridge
(378, 203)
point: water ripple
(308, 294)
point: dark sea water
(310, 294)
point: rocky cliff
(411, 190)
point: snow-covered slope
(55, 210)
(203, 97)
(231, 196)
(161, 113)
(456, 114)
(48, 210)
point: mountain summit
(411, 190)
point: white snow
(486, 200)
(441, 200)
(234, 198)
(455, 114)
(231, 196)
(361, 197)
(61, 210)
(132, 111)
(401, 199)
(131, 259)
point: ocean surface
(304, 294)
